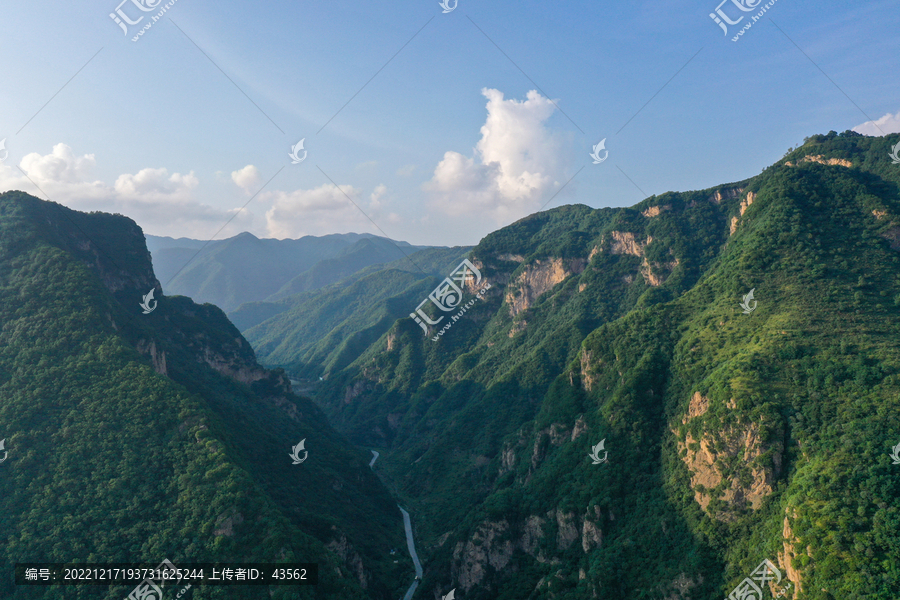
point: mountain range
(137, 437)
(678, 400)
(736, 349)
(244, 268)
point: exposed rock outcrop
(654, 211)
(707, 459)
(537, 278)
(822, 161)
(745, 203)
(493, 543)
(656, 273)
(623, 242)
(157, 357)
(786, 557)
(726, 194)
(350, 557)
(484, 548)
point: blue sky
(481, 117)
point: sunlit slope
(733, 435)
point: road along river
(412, 552)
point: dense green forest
(136, 438)
(735, 428)
(733, 435)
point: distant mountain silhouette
(245, 268)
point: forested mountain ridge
(245, 268)
(313, 334)
(738, 428)
(136, 437)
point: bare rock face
(538, 278)
(720, 195)
(567, 532)
(484, 548)
(591, 535)
(707, 459)
(579, 429)
(157, 357)
(786, 558)
(818, 159)
(745, 203)
(342, 547)
(623, 242)
(697, 407)
(586, 378)
(656, 273)
(654, 211)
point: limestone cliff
(708, 458)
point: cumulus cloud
(155, 184)
(377, 194)
(517, 165)
(247, 179)
(887, 124)
(158, 201)
(165, 203)
(312, 212)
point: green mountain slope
(314, 334)
(134, 438)
(731, 437)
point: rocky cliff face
(493, 543)
(538, 278)
(709, 457)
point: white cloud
(155, 184)
(377, 194)
(887, 124)
(314, 212)
(159, 202)
(165, 203)
(247, 179)
(516, 167)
